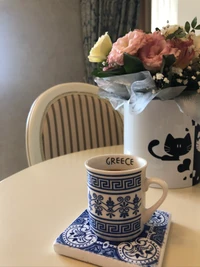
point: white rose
(169, 29)
(101, 49)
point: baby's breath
(179, 80)
(166, 80)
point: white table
(38, 203)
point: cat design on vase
(171, 147)
(175, 147)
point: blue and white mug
(116, 196)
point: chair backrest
(70, 117)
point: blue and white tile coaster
(78, 242)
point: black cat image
(175, 147)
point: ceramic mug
(116, 196)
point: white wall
(40, 46)
(187, 10)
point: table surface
(38, 203)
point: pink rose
(187, 52)
(152, 53)
(129, 44)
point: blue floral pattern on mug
(123, 206)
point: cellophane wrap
(139, 89)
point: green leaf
(194, 22)
(132, 64)
(177, 33)
(187, 26)
(197, 27)
(181, 35)
(167, 62)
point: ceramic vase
(169, 141)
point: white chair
(70, 117)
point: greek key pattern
(110, 229)
(117, 184)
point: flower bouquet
(154, 79)
(141, 66)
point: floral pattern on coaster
(145, 250)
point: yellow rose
(101, 49)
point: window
(163, 11)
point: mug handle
(148, 212)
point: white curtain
(163, 12)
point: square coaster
(78, 242)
